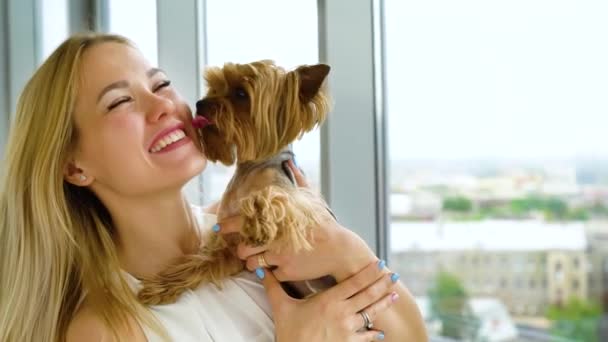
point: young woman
(86, 208)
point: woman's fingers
(358, 282)
(372, 311)
(263, 259)
(229, 225)
(297, 173)
(244, 251)
(370, 335)
(374, 293)
(279, 300)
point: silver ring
(367, 323)
(262, 261)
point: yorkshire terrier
(250, 116)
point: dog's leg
(285, 218)
(279, 215)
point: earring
(83, 178)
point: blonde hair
(56, 238)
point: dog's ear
(311, 79)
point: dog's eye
(240, 93)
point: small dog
(250, 116)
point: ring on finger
(367, 323)
(262, 261)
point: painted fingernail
(294, 161)
(394, 297)
(381, 264)
(380, 336)
(216, 227)
(260, 273)
(395, 277)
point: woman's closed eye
(119, 101)
(125, 99)
(161, 85)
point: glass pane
(499, 166)
(54, 17)
(272, 32)
(136, 20)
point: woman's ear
(75, 175)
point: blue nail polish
(294, 161)
(395, 277)
(380, 336)
(381, 264)
(260, 273)
(216, 227)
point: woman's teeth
(169, 139)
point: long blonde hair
(56, 239)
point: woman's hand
(333, 315)
(337, 251)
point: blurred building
(597, 235)
(528, 265)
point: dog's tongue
(200, 121)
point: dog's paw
(274, 215)
(263, 211)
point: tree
(457, 203)
(449, 304)
(555, 208)
(576, 320)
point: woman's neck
(152, 232)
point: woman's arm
(402, 321)
(341, 253)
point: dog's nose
(202, 106)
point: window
(54, 22)
(263, 32)
(496, 110)
(136, 19)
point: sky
(465, 79)
(497, 79)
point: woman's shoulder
(87, 325)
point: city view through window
(499, 165)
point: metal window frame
(23, 45)
(353, 170)
(88, 15)
(20, 47)
(4, 80)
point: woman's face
(135, 135)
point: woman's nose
(160, 107)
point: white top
(239, 312)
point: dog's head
(254, 110)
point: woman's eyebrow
(153, 71)
(118, 84)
